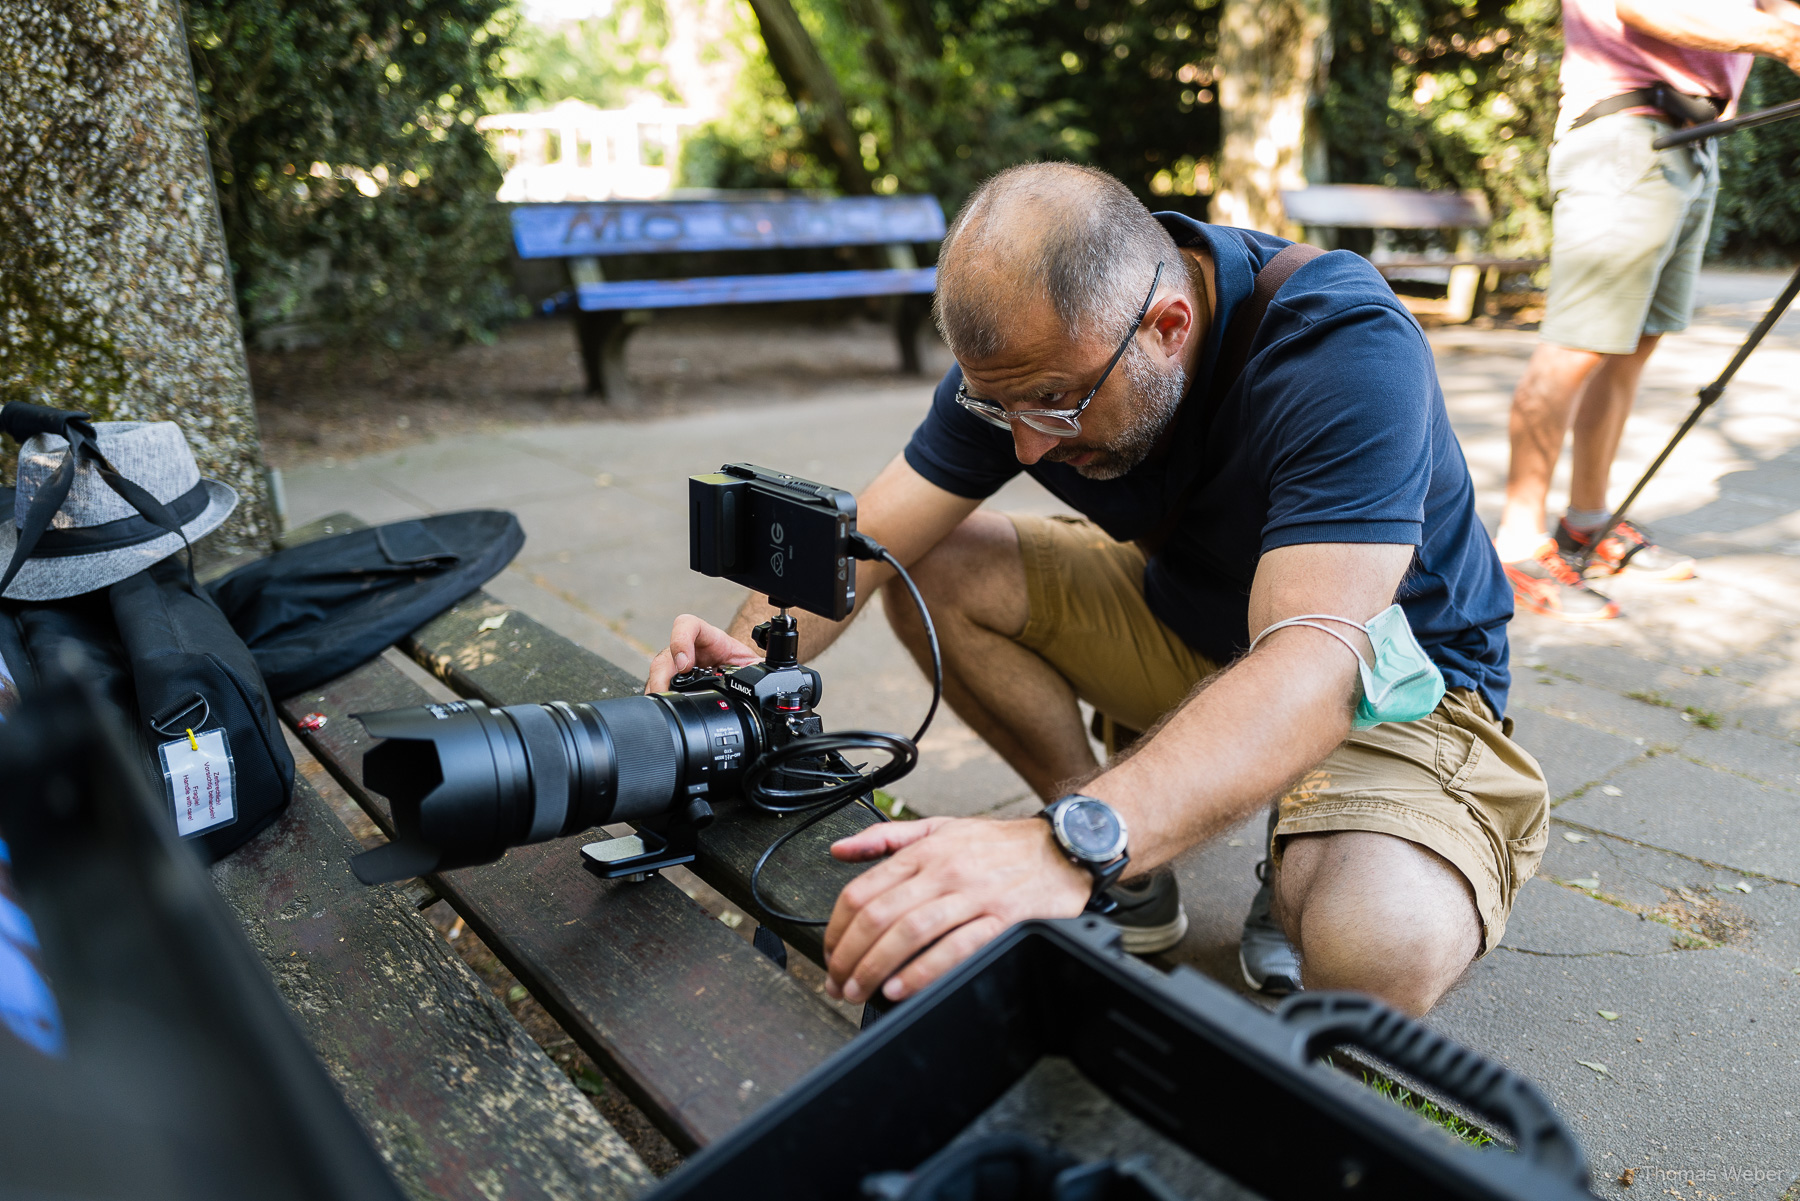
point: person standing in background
(1628, 227)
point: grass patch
(894, 807)
(1650, 698)
(1474, 1135)
(1704, 717)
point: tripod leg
(1708, 395)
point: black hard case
(1234, 1085)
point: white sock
(1585, 521)
(1513, 548)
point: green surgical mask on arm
(1402, 684)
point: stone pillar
(115, 292)
(1273, 55)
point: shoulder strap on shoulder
(1234, 354)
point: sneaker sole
(1274, 986)
(1149, 940)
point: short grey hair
(1057, 232)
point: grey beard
(1157, 396)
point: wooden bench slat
(458, 1099)
(679, 1010)
(1370, 206)
(1386, 265)
(660, 227)
(524, 661)
(752, 289)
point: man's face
(1043, 369)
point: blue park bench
(606, 311)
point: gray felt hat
(97, 538)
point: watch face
(1091, 830)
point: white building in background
(575, 151)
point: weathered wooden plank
(522, 661)
(752, 289)
(1369, 206)
(662, 226)
(697, 1026)
(458, 1099)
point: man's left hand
(950, 886)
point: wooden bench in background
(687, 1017)
(606, 310)
(1473, 276)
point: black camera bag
(166, 661)
(190, 670)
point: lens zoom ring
(549, 770)
(646, 753)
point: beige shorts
(1454, 782)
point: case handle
(1324, 1020)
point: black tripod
(1714, 390)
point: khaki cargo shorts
(1454, 782)
(1627, 231)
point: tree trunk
(115, 292)
(814, 90)
(1272, 60)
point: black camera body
(467, 781)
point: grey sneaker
(1149, 913)
(1269, 961)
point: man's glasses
(1058, 423)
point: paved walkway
(1650, 978)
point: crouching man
(1257, 496)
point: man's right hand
(693, 643)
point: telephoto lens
(467, 782)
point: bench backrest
(612, 227)
(1367, 206)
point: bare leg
(1540, 419)
(974, 581)
(1600, 421)
(1376, 914)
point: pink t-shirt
(1602, 57)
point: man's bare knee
(1377, 914)
(975, 574)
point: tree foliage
(1439, 94)
(944, 95)
(1759, 174)
(356, 194)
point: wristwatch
(1092, 834)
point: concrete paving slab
(1710, 1091)
(1749, 753)
(1679, 806)
(1679, 900)
(1561, 922)
(1573, 755)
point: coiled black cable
(840, 782)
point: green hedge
(356, 194)
(1758, 217)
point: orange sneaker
(1628, 546)
(1548, 583)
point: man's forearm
(1236, 744)
(1713, 27)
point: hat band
(117, 535)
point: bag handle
(23, 420)
(1323, 1020)
(1234, 355)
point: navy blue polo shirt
(1335, 431)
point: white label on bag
(202, 786)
